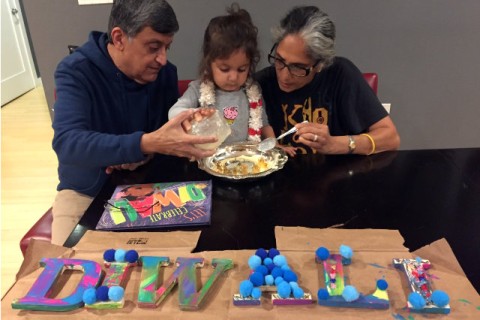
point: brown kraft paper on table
(104, 240)
(372, 260)
(35, 251)
(308, 239)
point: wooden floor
(29, 174)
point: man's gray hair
(132, 16)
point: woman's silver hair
(132, 16)
(315, 28)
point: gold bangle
(372, 141)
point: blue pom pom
(120, 255)
(277, 272)
(284, 290)
(270, 267)
(322, 253)
(267, 261)
(346, 251)
(272, 253)
(382, 284)
(440, 298)
(102, 293)
(116, 293)
(350, 293)
(323, 294)
(290, 276)
(262, 253)
(297, 293)
(246, 287)
(89, 296)
(269, 280)
(278, 280)
(279, 260)
(262, 269)
(256, 278)
(109, 255)
(286, 267)
(254, 262)
(293, 284)
(416, 300)
(131, 256)
(256, 293)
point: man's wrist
(145, 144)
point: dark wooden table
(425, 194)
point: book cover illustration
(155, 205)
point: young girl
(230, 55)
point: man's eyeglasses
(294, 69)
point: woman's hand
(317, 136)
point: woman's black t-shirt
(338, 96)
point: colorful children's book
(156, 205)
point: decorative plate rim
(280, 156)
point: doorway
(17, 74)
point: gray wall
(425, 52)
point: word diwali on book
(158, 205)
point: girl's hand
(291, 151)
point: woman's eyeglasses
(294, 69)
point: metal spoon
(270, 143)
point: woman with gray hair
(307, 82)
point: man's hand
(172, 138)
(199, 115)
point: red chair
(182, 86)
(372, 80)
(41, 230)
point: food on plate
(242, 165)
